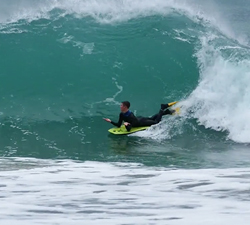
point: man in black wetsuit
(132, 121)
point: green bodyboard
(122, 130)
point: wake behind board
(123, 130)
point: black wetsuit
(139, 121)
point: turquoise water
(67, 64)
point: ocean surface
(67, 64)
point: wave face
(66, 64)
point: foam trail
(169, 127)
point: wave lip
(113, 11)
(221, 99)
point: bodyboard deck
(123, 130)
